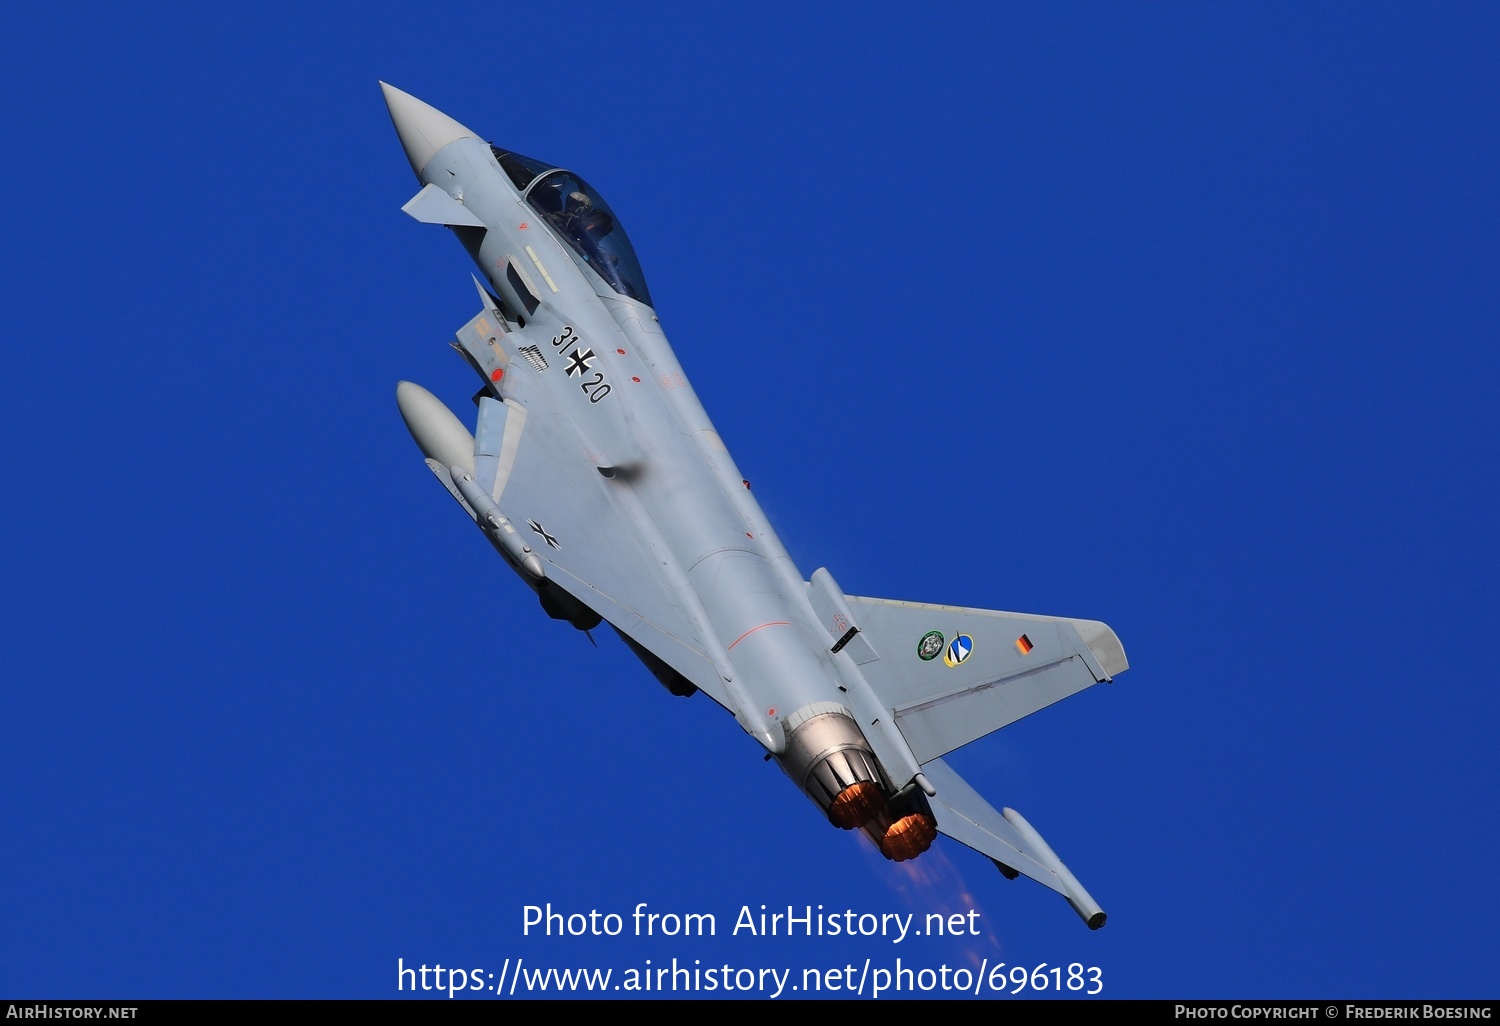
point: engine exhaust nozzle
(828, 757)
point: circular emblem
(930, 645)
(958, 650)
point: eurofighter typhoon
(598, 477)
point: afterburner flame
(856, 805)
(908, 837)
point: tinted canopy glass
(521, 169)
(581, 216)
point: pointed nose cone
(423, 129)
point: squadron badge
(958, 650)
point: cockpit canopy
(580, 216)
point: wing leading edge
(950, 674)
(1010, 842)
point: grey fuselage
(635, 413)
(596, 474)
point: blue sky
(1182, 318)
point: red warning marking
(497, 373)
(635, 379)
(771, 711)
(523, 226)
(752, 630)
(620, 351)
(749, 535)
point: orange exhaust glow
(908, 837)
(856, 805)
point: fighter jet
(596, 474)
